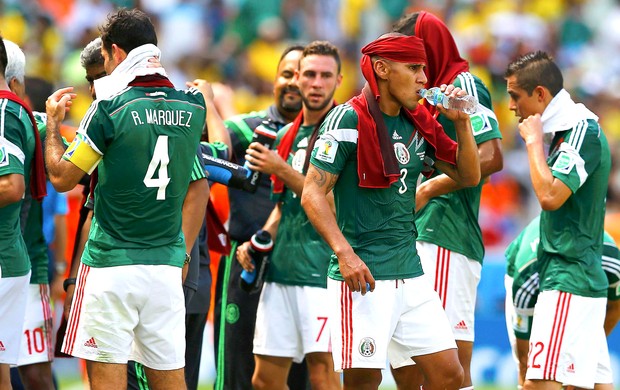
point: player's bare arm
(216, 130)
(63, 174)
(491, 161)
(466, 172)
(317, 186)
(12, 188)
(551, 192)
(194, 209)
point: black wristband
(188, 258)
(67, 283)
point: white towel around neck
(563, 113)
(135, 64)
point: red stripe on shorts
(47, 318)
(76, 309)
(557, 335)
(347, 325)
(441, 274)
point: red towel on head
(37, 176)
(444, 60)
(377, 165)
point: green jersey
(143, 141)
(300, 255)
(17, 146)
(571, 238)
(33, 229)
(378, 223)
(521, 256)
(445, 218)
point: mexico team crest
(402, 153)
(367, 347)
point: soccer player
(21, 170)
(444, 209)
(142, 134)
(35, 355)
(370, 154)
(235, 309)
(570, 185)
(522, 269)
(292, 319)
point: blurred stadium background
(238, 42)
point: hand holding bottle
(465, 103)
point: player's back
(151, 137)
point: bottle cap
(262, 241)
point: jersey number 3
(161, 159)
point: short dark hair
(290, 49)
(534, 69)
(128, 29)
(406, 24)
(3, 58)
(322, 48)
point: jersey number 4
(161, 159)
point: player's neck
(312, 117)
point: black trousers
(234, 320)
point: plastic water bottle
(261, 245)
(434, 96)
(264, 134)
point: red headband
(394, 47)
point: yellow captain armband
(83, 154)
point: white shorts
(455, 278)
(568, 343)
(291, 321)
(509, 312)
(133, 312)
(13, 297)
(399, 320)
(36, 344)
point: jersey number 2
(161, 159)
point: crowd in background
(238, 43)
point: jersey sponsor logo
(461, 325)
(4, 157)
(564, 163)
(480, 123)
(402, 153)
(232, 313)
(571, 368)
(395, 135)
(367, 347)
(2, 349)
(91, 343)
(326, 150)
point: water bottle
(265, 134)
(225, 172)
(260, 249)
(434, 96)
